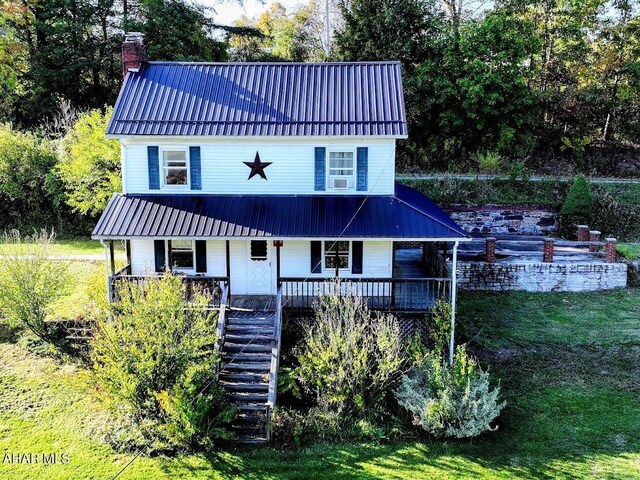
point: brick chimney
(133, 52)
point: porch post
(127, 248)
(454, 291)
(278, 243)
(228, 262)
(113, 258)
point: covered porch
(420, 277)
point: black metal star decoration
(257, 167)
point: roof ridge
(363, 62)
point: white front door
(260, 271)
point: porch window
(341, 170)
(183, 254)
(336, 255)
(175, 168)
(258, 250)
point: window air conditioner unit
(340, 183)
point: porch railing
(411, 294)
(213, 287)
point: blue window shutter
(356, 258)
(160, 260)
(320, 168)
(195, 169)
(154, 168)
(363, 160)
(316, 257)
(201, 256)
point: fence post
(583, 233)
(490, 249)
(594, 236)
(612, 255)
(547, 251)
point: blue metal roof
(407, 214)
(263, 99)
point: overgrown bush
(349, 357)
(451, 401)
(577, 208)
(30, 282)
(156, 362)
(615, 219)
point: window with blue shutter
(154, 168)
(160, 255)
(362, 167)
(201, 256)
(316, 257)
(320, 161)
(356, 259)
(195, 168)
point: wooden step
(248, 398)
(247, 367)
(251, 418)
(245, 387)
(245, 377)
(247, 347)
(250, 320)
(251, 329)
(242, 337)
(249, 357)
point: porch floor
(256, 303)
(409, 263)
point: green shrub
(615, 219)
(577, 208)
(30, 282)
(156, 362)
(454, 401)
(349, 357)
(489, 162)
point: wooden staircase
(249, 348)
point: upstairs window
(341, 170)
(183, 255)
(336, 255)
(175, 169)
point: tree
(89, 166)
(30, 281)
(30, 193)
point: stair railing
(275, 362)
(222, 322)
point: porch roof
(407, 214)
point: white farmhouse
(261, 181)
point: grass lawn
(77, 246)
(630, 251)
(569, 366)
(81, 280)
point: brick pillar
(594, 236)
(490, 249)
(547, 251)
(612, 255)
(583, 233)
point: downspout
(454, 291)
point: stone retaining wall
(500, 219)
(541, 277)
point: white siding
(216, 258)
(291, 171)
(142, 257)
